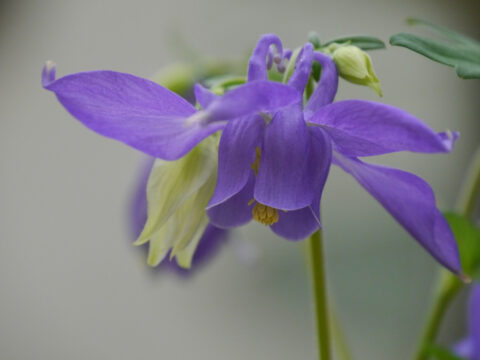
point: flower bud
(355, 65)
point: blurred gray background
(72, 285)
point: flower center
(264, 214)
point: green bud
(355, 65)
(177, 194)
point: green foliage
(314, 39)
(468, 240)
(455, 49)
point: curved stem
(320, 295)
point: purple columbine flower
(162, 124)
(275, 165)
(210, 243)
(275, 152)
(469, 348)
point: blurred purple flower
(469, 348)
(210, 243)
(274, 153)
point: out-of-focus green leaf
(224, 82)
(316, 71)
(468, 240)
(456, 50)
(363, 42)
(450, 34)
(314, 39)
(441, 353)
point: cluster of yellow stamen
(264, 214)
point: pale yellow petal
(173, 182)
(192, 213)
(184, 257)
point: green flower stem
(448, 287)
(471, 189)
(448, 284)
(320, 295)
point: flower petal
(184, 256)
(137, 213)
(235, 211)
(327, 86)
(192, 219)
(257, 66)
(303, 67)
(320, 158)
(204, 96)
(183, 230)
(411, 201)
(250, 99)
(365, 128)
(130, 109)
(208, 245)
(284, 181)
(235, 156)
(299, 224)
(171, 183)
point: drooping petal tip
(48, 73)
(449, 138)
(411, 201)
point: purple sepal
(410, 200)
(365, 128)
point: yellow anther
(256, 162)
(264, 214)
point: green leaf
(314, 39)
(465, 59)
(450, 34)
(441, 353)
(316, 71)
(456, 50)
(363, 42)
(468, 240)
